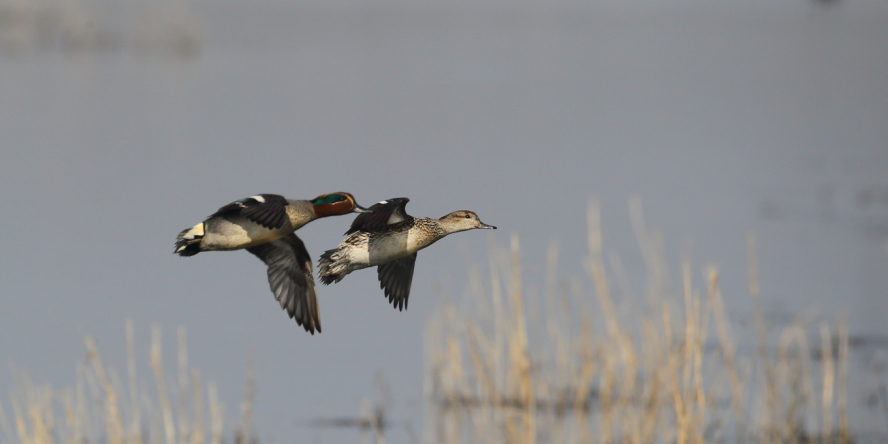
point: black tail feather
(328, 272)
(187, 247)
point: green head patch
(328, 199)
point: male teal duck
(264, 225)
(390, 238)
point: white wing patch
(384, 202)
(196, 231)
(257, 198)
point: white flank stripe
(259, 199)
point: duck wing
(395, 278)
(266, 210)
(290, 278)
(384, 213)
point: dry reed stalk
(135, 434)
(697, 321)
(68, 408)
(787, 367)
(157, 364)
(606, 402)
(197, 436)
(245, 431)
(595, 267)
(182, 413)
(650, 414)
(842, 383)
(588, 369)
(807, 373)
(557, 326)
(499, 319)
(486, 391)
(678, 401)
(728, 355)
(217, 412)
(518, 349)
(114, 425)
(772, 400)
(456, 372)
(82, 424)
(828, 380)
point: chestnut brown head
(335, 204)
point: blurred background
(123, 123)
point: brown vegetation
(586, 370)
(103, 408)
(590, 371)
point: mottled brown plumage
(389, 238)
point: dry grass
(103, 408)
(590, 371)
(165, 28)
(671, 368)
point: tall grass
(102, 407)
(574, 366)
(165, 28)
(592, 370)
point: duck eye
(468, 217)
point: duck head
(463, 220)
(335, 204)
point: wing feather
(290, 279)
(267, 210)
(384, 213)
(395, 278)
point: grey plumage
(290, 278)
(264, 225)
(267, 210)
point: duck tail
(188, 241)
(331, 267)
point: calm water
(122, 125)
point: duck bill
(360, 209)
(484, 226)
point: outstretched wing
(384, 213)
(266, 210)
(290, 278)
(395, 278)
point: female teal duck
(389, 237)
(264, 224)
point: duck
(265, 225)
(389, 239)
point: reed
(170, 28)
(101, 408)
(575, 366)
(569, 366)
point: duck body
(246, 223)
(265, 225)
(389, 238)
(371, 248)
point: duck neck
(448, 227)
(300, 212)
